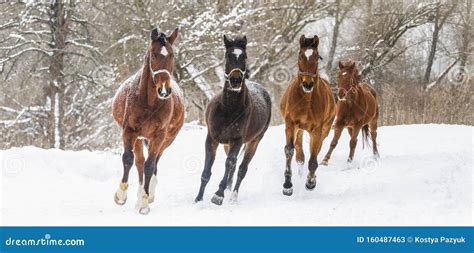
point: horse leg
(139, 159)
(289, 151)
(315, 144)
(154, 180)
(230, 179)
(154, 150)
(373, 135)
(299, 147)
(337, 134)
(128, 138)
(249, 153)
(226, 149)
(211, 147)
(353, 142)
(234, 148)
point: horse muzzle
(308, 86)
(163, 92)
(235, 84)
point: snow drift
(424, 177)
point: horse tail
(365, 136)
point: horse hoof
(151, 199)
(217, 200)
(234, 196)
(197, 200)
(310, 186)
(288, 191)
(119, 201)
(144, 210)
(324, 163)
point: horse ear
(245, 40)
(154, 35)
(302, 40)
(340, 65)
(227, 42)
(353, 65)
(315, 41)
(173, 36)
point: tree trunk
(440, 19)
(56, 71)
(434, 43)
(466, 35)
(335, 34)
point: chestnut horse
(149, 107)
(357, 110)
(307, 104)
(239, 115)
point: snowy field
(424, 177)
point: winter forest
(61, 62)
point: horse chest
(227, 125)
(147, 121)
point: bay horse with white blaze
(307, 105)
(239, 115)
(148, 106)
(357, 110)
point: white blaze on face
(237, 52)
(163, 91)
(308, 53)
(344, 73)
(164, 51)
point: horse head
(235, 63)
(160, 61)
(308, 62)
(348, 79)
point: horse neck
(232, 99)
(146, 88)
(354, 85)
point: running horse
(150, 109)
(357, 110)
(307, 105)
(237, 116)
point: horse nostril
(163, 92)
(308, 85)
(236, 80)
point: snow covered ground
(424, 177)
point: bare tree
(441, 13)
(467, 32)
(386, 26)
(340, 14)
(56, 36)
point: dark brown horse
(307, 105)
(357, 110)
(148, 106)
(239, 115)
